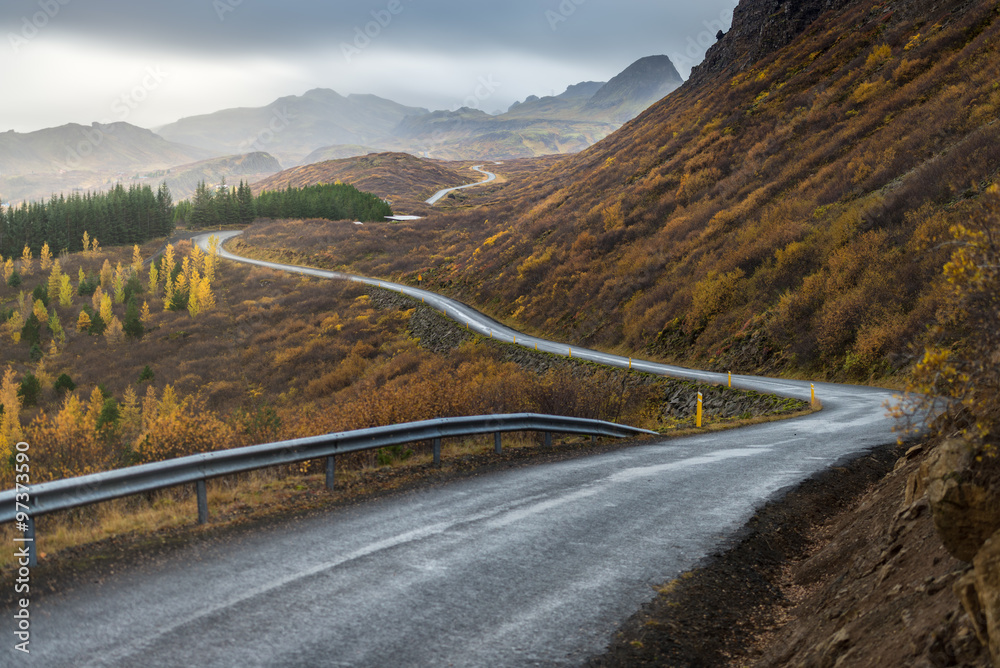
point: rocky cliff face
(761, 27)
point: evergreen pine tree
(132, 326)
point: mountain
(114, 147)
(401, 178)
(644, 82)
(74, 157)
(581, 91)
(184, 179)
(789, 212)
(470, 134)
(292, 127)
(566, 123)
(317, 126)
(337, 152)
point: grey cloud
(586, 29)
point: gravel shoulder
(835, 572)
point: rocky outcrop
(966, 511)
(966, 514)
(979, 592)
(761, 27)
(987, 570)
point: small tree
(118, 284)
(29, 390)
(133, 326)
(14, 326)
(29, 332)
(40, 309)
(136, 260)
(14, 280)
(87, 286)
(83, 322)
(145, 374)
(45, 257)
(106, 312)
(109, 415)
(115, 332)
(97, 324)
(65, 291)
(55, 326)
(107, 275)
(26, 260)
(154, 279)
(55, 280)
(64, 384)
(41, 293)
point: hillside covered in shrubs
(793, 214)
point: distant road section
(479, 168)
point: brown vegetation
(275, 356)
(786, 216)
(403, 179)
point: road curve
(490, 176)
(535, 566)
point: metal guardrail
(49, 497)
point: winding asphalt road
(490, 176)
(536, 566)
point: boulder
(965, 513)
(987, 577)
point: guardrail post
(497, 447)
(331, 469)
(548, 439)
(593, 439)
(437, 452)
(202, 502)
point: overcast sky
(150, 63)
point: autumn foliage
(956, 384)
(784, 217)
(270, 356)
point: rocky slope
(760, 27)
(845, 570)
